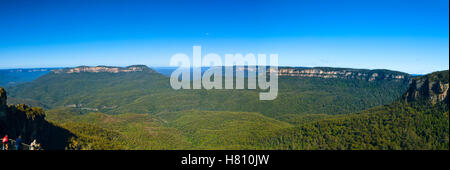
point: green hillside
(393, 127)
(150, 92)
(126, 131)
(93, 89)
(420, 122)
(111, 111)
(400, 125)
(176, 130)
(223, 130)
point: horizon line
(62, 67)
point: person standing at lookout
(34, 145)
(5, 142)
(19, 143)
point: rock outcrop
(3, 107)
(342, 73)
(104, 69)
(432, 88)
(30, 123)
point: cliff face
(3, 106)
(342, 73)
(30, 123)
(432, 88)
(105, 69)
(21, 120)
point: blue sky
(405, 35)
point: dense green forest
(395, 126)
(125, 131)
(150, 92)
(392, 127)
(309, 114)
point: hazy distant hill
(9, 77)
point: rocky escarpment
(30, 123)
(343, 73)
(106, 69)
(432, 88)
(3, 107)
(22, 120)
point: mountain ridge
(343, 73)
(321, 72)
(101, 68)
(150, 92)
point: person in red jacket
(5, 142)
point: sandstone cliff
(3, 106)
(105, 69)
(30, 123)
(432, 88)
(343, 73)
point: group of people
(33, 146)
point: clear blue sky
(405, 35)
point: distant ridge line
(102, 68)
